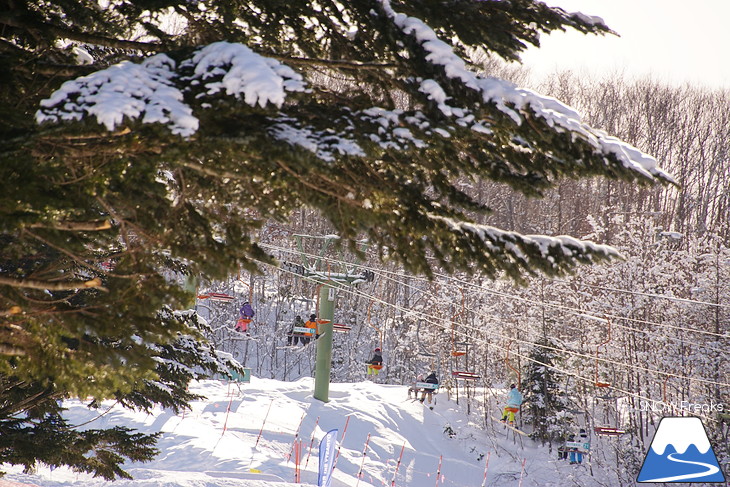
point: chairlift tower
(329, 281)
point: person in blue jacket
(514, 401)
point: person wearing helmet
(375, 363)
(514, 401)
(246, 314)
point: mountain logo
(680, 452)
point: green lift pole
(326, 311)
(323, 368)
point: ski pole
(228, 410)
(486, 467)
(264, 423)
(438, 471)
(296, 436)
(522, 473)
(344, 432)
(397, 465)
(364, 454)
(311, 442)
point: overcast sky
(678, 41)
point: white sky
(671, 40)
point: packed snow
(243, 435)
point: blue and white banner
(327, 458)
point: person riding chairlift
(431, 379)
(246, 314)
(293, 339)
(514, 401)
(375, 363)
(413, 388)
(312, 325)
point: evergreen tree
(371, 112)
(33, 430)
(42, 435)
(546, 403)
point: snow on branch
(240, 72)
(541, 247)
(148, 91)
(126, 89)
(389, 129)
(323, 143)
(512, 100)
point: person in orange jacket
(312, 325)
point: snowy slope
(217, 444)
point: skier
(377, 361)
(312, 325)
(246, 314)
(569, 450)
(431, 379)
(514, 401)
(293, 339)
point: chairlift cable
(534, 344)
(552, 367)
(577, 311)
(565, 350)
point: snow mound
(243, 435)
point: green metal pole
(323, 366)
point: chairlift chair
(608, 431)
(340, 327)
(464, 375)
(220, 297)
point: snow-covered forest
(654, 325)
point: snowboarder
(375, 363)
(312, 325)
(293, 339)
(514, 401)
(431, 379)
(246, 314)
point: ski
(513, 428)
